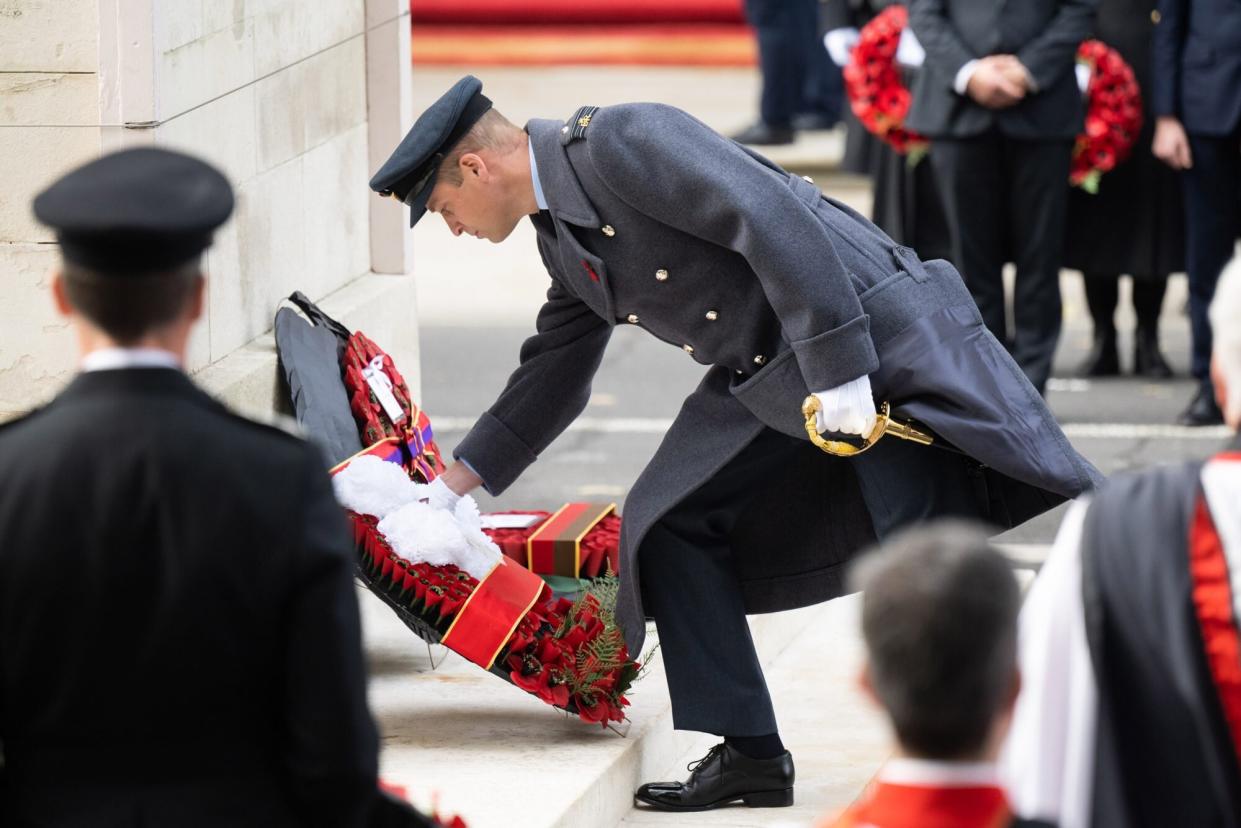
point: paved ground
(477, 304)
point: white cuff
(909, 51)
(1082, 72)
(840, 43)
(962, 81)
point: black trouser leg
(1212, 213)
(1037, 172)
(1102, 296)
(823, 84)
(1148, 303)
(970, 174)
(690, 586)
(904, 483)
(781, 58)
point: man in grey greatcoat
(647, 217)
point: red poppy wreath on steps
(447, 581)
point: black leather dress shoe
(1203, 410)
(814, 120)
(1103, 359)
(763, 134)
(1148, 361)
(722, 777)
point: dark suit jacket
(179, 635)
(1043, 34)
(1197, 64)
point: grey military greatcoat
(657, 221)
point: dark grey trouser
(1006, 201)
(690, 585)
(798, 75)
(1212, 219)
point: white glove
(848, 408)
(840, 43)
(439, 496)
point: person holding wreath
(1135, 223)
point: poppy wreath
(362, 357)
(1113, 115)
(570, 654)
(880, 100)
(600, 546)
(877, 92)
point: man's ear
(59, 295)
(865, 684)
(472, 164)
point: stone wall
(48, 124)
(275, 92)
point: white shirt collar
(539, 198)
(925, 773)
(111, 359)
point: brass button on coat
(633, 318)
(689, 349)
(661, 275)
(712, 316)
(1155, 16)
(760, 360)
(608, 230)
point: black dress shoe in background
(1203, 410)
(1147, 359)
(1103, 359)
(814, 121)
(722, 777)
(763, 134)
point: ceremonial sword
(884, 424)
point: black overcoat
(1135, 224)
(657, 221)
(179, 635)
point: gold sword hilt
(884, 424)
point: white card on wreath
(520, 521)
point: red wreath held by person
(880, 99)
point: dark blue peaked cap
(409, 173)
(137, 211)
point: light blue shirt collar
(539, 198)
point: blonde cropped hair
(491, 132)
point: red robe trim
(885, 805)
(1213, 604)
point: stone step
(462, 738)
(837, 738)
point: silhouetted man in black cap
(179, 636)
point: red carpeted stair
(551, 32)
